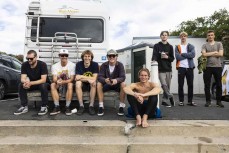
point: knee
(78, 84)
(154, 98)
(70, 85)
(43, 86)
(99, 86)
(122, 85)
(53, 86)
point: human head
(31, 57)
(63, 54)
(210, 35)
(183, 36)
(112, 56)
(164, 35)
(87, 52)
(141, 74)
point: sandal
(181, 104)
(191, 104)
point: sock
(56, 103)
(92, 104)
(81, 103)
(100, 104)
(122, 104)
(68, 103)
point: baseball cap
(63, 51)
(112, 52)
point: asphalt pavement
(199, 112)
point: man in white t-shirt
(63, 74)
(185, 53)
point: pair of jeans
(188, 74)
(217, 73)
(141, 109)
(43, 89)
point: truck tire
(2, 90)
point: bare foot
(144, 121)
(138, 120)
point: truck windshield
(83, 27)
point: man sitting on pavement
(63, 74)
(111, 77)
(86, 77)
(33, 77)
(142, 91)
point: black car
(10, 74)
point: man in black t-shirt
(33, 77)
(86, 76)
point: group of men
(85, 74)
(142, 96)
(184, 53)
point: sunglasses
(64, 55)
(29, 59)
(111, 56)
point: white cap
(63, 51)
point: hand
(92, 82)
(107, 80)
(78, 77)
(27, 85)
(140, 99)
(59, 81)
(114, 81)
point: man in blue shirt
(86, 76)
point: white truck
(76, 25)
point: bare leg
(92, 93)
(144, 121)
(122, 93)
(69, 91)
(138, 120)
(100, 91)
(55, 95)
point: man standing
(86, 76)
(213, 51)
(63, 74)
(142, 91)
(185, 53)
(163, 54)
(111, 77)
(33, 77)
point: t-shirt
(34, 74)
(184, 63)
(213, 61)
(63, 72)
(89, 71)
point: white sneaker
(43, 111)
(21, 110)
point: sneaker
(80, 110)
(55, 111)
(101, 111)
(165, 104)
(91, 110)
(172, 102)
(208, 104)
(219, 104)
(121, 111)
(21, 110)
(192, 104)
(181, 103)
(43, 111)
(68, 111)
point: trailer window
(84, 28)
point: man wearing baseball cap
(111, 77)
(63, 74)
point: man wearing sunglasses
(63, 74)
(111, 77)
(86, 76)
(33, 77)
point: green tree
(218, 21)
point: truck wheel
(2, 90)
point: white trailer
(139, 55)
(76, 25)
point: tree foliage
(19, 57)
(218, 21)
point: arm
(155, 91)
(23, 78)
(190, 54)
(129, 89)
(178, 55)
(40, 81)
(122, 74)
(171, 54)
(69, 80)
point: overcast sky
(129, 18)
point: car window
(17, 65)
(7, 62)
